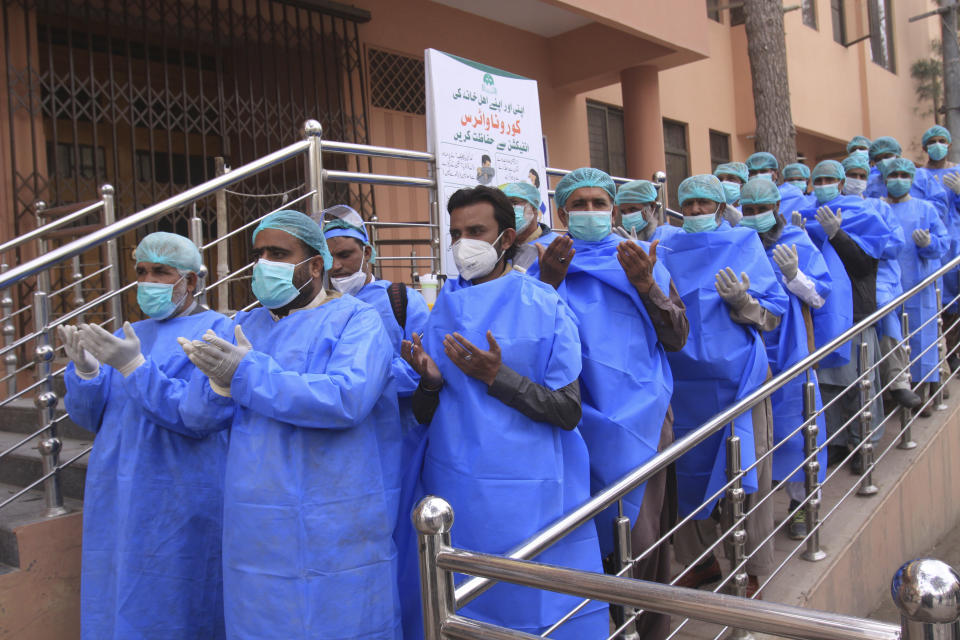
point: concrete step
(25, 510)
(23, 466)
(21, 416)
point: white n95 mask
(474, 258)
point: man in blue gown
(154, 492)
(925, 186)
(307, 393)
(765, 165)
(531, 232)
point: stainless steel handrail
(548, 536)
(50, 226)
(375, 151)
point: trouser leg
(760, 523)
(894, 369)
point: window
(63, 162)
(607, 146)
(881, 33)
(713, 12)
(397, 82)
(737, 15)
(164, 163)
(678, 161)
(839, 22)
(809, 10)
(719, 148)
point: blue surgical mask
(273, 283)
(731, 191)
(826, 192)
(634, 221)
(899, 187)
(156, 299)
(766, 176)
(519, 216)
(861, 153)
(590, 225)
(762, 222)
(696, 224)
(799, 184)
(937, 151)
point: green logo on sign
(488, 84)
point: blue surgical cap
(759, 191)
(524, 191)
(300, 226)
(738, 169)
(636, 192)
(858, 141)
(796, 171)
(891, 165)
(583, 177)
(884, 144)
(762, 161)
(855, 162)
(705, 186)
(936, 130)
(829, 169)
(169, 249)
(343, 221)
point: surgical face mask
(826, 192)
(590, 225)
(799, 184)
(768, 175)
(731, 191)
(937, 151)
(634, 221)
(762, 222)
(520, 217)
(351, 284)
(861, 153)
(854, 186)
(475, 258)
(696, 224)
(156, 299)
(273, 283)
(899, 187)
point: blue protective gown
(792, 199)
(722, 361)
(888, 271)
(309, 513)
(917, 263)
(154, 496)
(786, 345)
(925, 187)
(625, 384)
(951, 281)
(505, 475)
(547, 235)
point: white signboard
(483, 126)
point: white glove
(87, 366)
(921, 237)
(624, 233)
(952, 181)
(797, 220)
(829, 221)
(216, 357)
(733, 291)
(123, 354)
(787, 259)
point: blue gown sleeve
(417, 314)
(86, 400)
(939, 240)
(936, 195)
(764, 285)
(815, 267)
(354, 378)
(159, 395)
(201, 410)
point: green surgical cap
(858, 141)
(524, 191)
(796, 171)
(300, 226)
(884, 144)
(829, 169)
(856, 162)
(583, 177)
(891, 165)
(705, 186)
(936, 130)
(762, 161)
(738, 169)
(636, 192)
(759, 191)
(169, 249)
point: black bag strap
(397, 292)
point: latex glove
(123, 354)
(829, 220)
(216, 357)
(733, 291)
(921, 237)
(87, 366)
(952, 181)
(787, 259)
(797, 220)
(624, 233)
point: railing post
(927, 592)
(9, 332)
(113, 256)
(414, 273)
(942, 391)
(735, 498)
(78, 299)
(433, 518)
(623, 550)
(196, 236)
(223, 248)
(906, 415)
(867, 488)
(43, 278)
(313, 131)
(46, 403)
(813, 552)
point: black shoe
(953, 362)
(707, 572)
(836, 454)
(906, 398)
(856, 464)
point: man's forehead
(274, 237)
(473, 214)
(589, 193)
